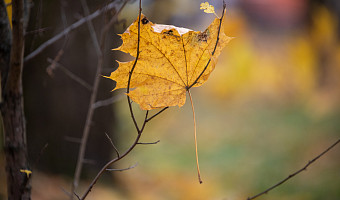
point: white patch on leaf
(158, 28)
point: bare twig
(90, 112)
(124, 169)
(91, 28)
(74, 26)
(94, 181)
(107, 102)
(138, 130)
(50, 69)
(114, 147)
(150, 118)
(40, 30)
(149, 142)
(76, 195)
(65, 191)
(68, 73)
(295, 173)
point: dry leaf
(26, 171)
(170, 61)
(207, 7)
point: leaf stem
(193, 113)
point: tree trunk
(12, 107)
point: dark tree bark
(12, 102)
(5, 43)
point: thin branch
(76, 195)
(150, 118)
(65, 191)
(139, 130)
(149, 142)
(94, 181)
(107, 102)
(74, 26)
(114, 147)
(144, 123)
(54, 62)
(91, 28)
(295, 173)
(68, 73)
(212, 54)
(131, 72)
(90, 112)
(40, 30)
(124, 169)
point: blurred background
(271, 105)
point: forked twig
(159, 112)
(114, 147)
(295, 173)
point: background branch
(74, 26)
(295, 173)
(99, 49)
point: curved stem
(195, 136)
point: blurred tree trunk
(11, 60)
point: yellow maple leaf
(171, 61)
